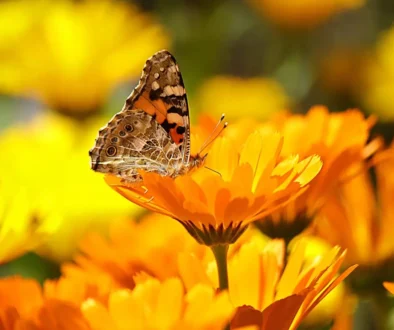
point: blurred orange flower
(340, 140)
(302, 14)
(74, 60)
(358, 219)
(216, 208)
(152, 247)
(165, 306)
(339, 70)
(23, 306)
(149, 247)
(389, 286)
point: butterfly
(152, 131)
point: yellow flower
(47, 159)
(216, 208)
(165, 306)
(378, 82)
(232, 95)
(22, 228)
(302, 14)
(75, 53)
(340, 140)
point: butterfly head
(197, 160)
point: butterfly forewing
(161, 93)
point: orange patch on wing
(156, 107)
(175, 136)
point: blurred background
(67, 66)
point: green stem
(381, 309)
(220, 253)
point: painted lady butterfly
(152, 132)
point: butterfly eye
(122, 133)
(111, 151)
(114, 139)
(129, 128)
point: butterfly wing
(152, 132)
(161, 93)
(134, 140)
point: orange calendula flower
(361, 221)
(23, 306)
(262, 287)
(165, 306)
(389, 286)
(216, 206)
(302, 14)
(133, 249)
(340, 139)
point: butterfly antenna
(211, 169)
(212, 137)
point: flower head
(23, 306)
(302, 14)
(22, 228)
(216, 208)
(360, 220)
(262, 287)
(340, 139)
(74, 60)
(377, 81)
(165, 306)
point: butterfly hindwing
(134, 140)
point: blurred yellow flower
(378, 81)
(47, 159)
(340, 140)
(233, 95)
(77, 54)
(216, 209)
(162, 306)
(22, 228)
(302, 14)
